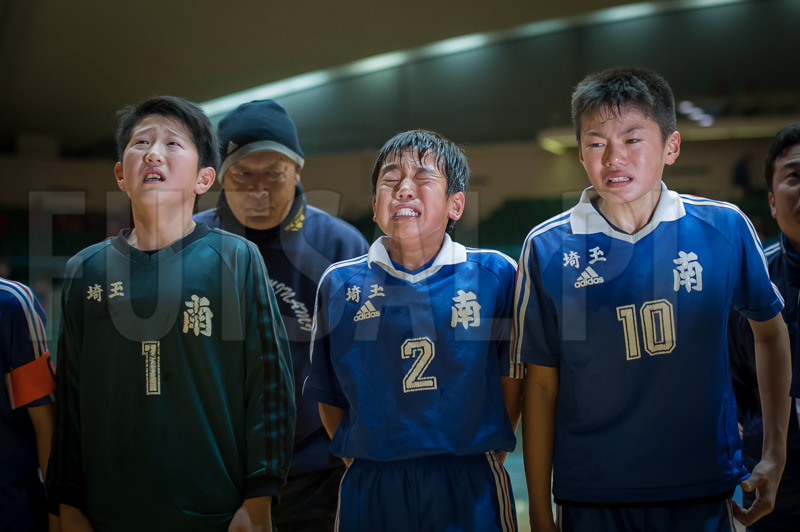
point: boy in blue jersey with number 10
(621, 308)
(410, 360)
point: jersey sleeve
(65, 482)
(269, 387)
(506, 274)
(30, 379)
(755, 297)
(321, 384)
(535, 333)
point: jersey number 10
(658, 328)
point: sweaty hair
(187, 113)
(610, 91)
(784, 139)
(450, 159)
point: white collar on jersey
(450, 253)
(585, 219)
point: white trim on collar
(585, 219)
(450, 253)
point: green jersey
(174, 384)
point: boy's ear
(205, 178)
(673, 147)
(374, 214)
(457, 202)
(119, 176)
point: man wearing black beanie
(263, 200)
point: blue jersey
(636, 325)
(415, 359)
(22, 340)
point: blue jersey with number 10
(415, 359)
(636, 325)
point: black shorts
(308, 502)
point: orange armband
(31, 381)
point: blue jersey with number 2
(415, 358)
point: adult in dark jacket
(782, 173)
(263, 200)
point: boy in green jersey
(175, 407)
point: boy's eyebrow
(388, 167)
(431, 168)
(422, 166)
(137, 130)
(631, 129)
(177, 133)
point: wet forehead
(613, 120)
(409, 160)
(160, 123)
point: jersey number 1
(658, 328)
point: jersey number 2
(658, 328)
(422, 351)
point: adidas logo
(366, 312)
(588, 277)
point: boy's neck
(412, 258)
(630, 217)
(152, 233)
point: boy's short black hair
(187, 113)
(783, 140)
(450, 159)
(611, 90)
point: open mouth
(153, 177)
(405, 213)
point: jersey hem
(315, 394)
(652, 496)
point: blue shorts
(431, 494)
(707, 516)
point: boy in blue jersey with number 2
(621, 308)
(410, 360)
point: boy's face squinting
(624, 154)
(161, 161)
(784, 200)
(411, 204)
